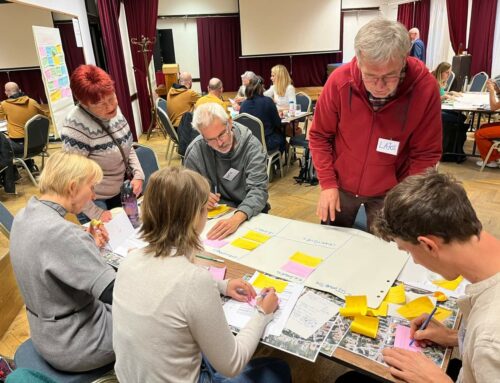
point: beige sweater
(166, 312)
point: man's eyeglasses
(385, 79)
(220, 137)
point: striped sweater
(82, 135)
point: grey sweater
(248, 190)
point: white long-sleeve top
(282, 101)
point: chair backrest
(6, 219)
(450, 80)
(304, 100)
(162, 104)
(167, 124)
(255, 125)
(36, 135)
(186, 132)
(149, 161)
(478, 83)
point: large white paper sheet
(122, 235)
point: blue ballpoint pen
(425, 324)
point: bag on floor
(307, 172)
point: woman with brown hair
(167, 313)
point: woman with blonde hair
(282, 91)
(169, 325)
(66, 285)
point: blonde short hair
(63, 168)
(173, 201)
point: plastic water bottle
(291, 108)
(466, 80)
(129, 203)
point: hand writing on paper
(99, 232)
(435, 332)
(106, 216)
(240, 290)
(213, 200)
(268, 300)
(413, 367)
(225, 227)
(136, 186)
(329, 202)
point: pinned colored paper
(380, 311)
(441, 314)
(297, 269)
(55, 96)
(66, 92)
(246, 244)
(41, 51)
(257, 237)
(354, 305)
(448, 285)
(218, 273)
(59, 48)
(218, 210)
(396, 294)
(402, 339)
(216, 243)
(57, 60)
(364, 325)
(416, 308)
(440, 296)
(263, 281)
(305, 259)
(48, 74)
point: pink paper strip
(402, 339)
(215, 243)
(297, 269)
(218, 273)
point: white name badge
(388, 146)
(231, 173)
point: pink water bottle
(129, 203)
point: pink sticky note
(403, 339)
(215, 243)
(218, 273)
(297, 269)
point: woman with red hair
(97, 129)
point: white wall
(75, 8)
(350, 4)
(196, 7)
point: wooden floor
(289, 200)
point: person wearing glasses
(234, 162)
(377, 121)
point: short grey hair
(185, 77)
(249, 75)
(382, 40)
(205, 114)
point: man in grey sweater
(233, 161)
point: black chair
(257, 128)
(6, 219)
(449, 82)
(36, 139)
(149, 161)
(300, 140)
(172, 134)
(162, 104)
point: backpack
(307, 173)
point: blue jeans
(265, 370)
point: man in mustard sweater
(181, 99)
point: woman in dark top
(265, 110)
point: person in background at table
(96, 128)
(215, 90)
(245, 80)
(417, 46)
(234, 162)
(488, 132)
(282, 91)
(66, 285)
(377, 120)
(454, 127)
(264, 109)
(181, 98)
(169, 325)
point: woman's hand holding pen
(213, 200)
(268, 300)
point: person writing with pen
(234, 162)
(430, 217)
(169, 325)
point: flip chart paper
(403, 339)
(297, 269)
(365, 325)
(246, 244)
(262, 281)
(257, 237)
(354, 305)
(305, 259)
(218, 273)
(396, 294)
(448, 285)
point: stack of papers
(122, 235)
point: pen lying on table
(209, 258)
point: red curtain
(457, 23)
(406, 14)
(482, 30)
(141, 21)
(73, 55)
(109, 11)
(219, 48)
(422, 18)
(30, 82)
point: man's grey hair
(381, 40)
(185, 77)
(214, 84)
(205, 114)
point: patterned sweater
(81, 134)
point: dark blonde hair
(171, 208)
(438, 72)
(281, 79)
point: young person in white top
(282, 91)
(169, 325)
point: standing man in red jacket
(377, 121)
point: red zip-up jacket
(346, 130)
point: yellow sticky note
(365, 325)
(440, 296)
(380, 311)
(441, 314)
(396, 294)
(59, 48)
(57, 60)
(56, 95)
(416, 308)
(448, 285)
(305, 259)
(262, 281)
(246, 244)
(354, 305)
(222, 208)
(257, 237)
